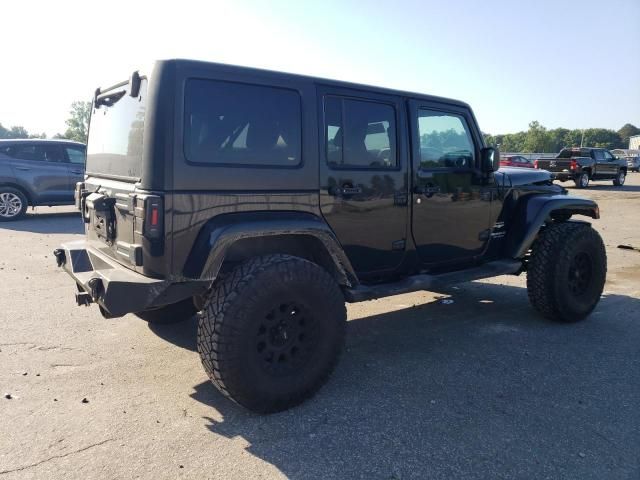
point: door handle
(427, 191)
(22, 168)
(344, 191)
(77, 172)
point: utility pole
(582, 139)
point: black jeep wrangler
(265, 200)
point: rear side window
(359, 134)
(76, 155)
(237, 124)
(54, 153)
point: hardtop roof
(317, 80)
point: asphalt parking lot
(477, 386)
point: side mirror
(490, 158)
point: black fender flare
(534, 211)
(220, 233)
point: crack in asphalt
(55, 457)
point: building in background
(634, 142)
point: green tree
(535, 140)
(511, 142)
(601, 137)
(556, 139)
(18, 132)
(627, 131)
(78, 122)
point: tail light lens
(153, 217)
(535, 164)
(574, 164)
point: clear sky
(574, 64)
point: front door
(363, 182)
(610, 164)
(602, 168)
(451, 198)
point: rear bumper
(116, 289)
(564, 176)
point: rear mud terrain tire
(174, 313)
(567, 271)
(272, 331)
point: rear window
(237, 124)
(115, 135)
(573, 152)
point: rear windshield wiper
(109, 98)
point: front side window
(360, 134)
(27, 152)
(445, 140)
(599, 154)
(607, 156)
(238, 124)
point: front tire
(567, 271)
(272, 331)
(13, 204)
(620, 178)
(582, 181)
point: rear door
(363, 176)
(113, 167)
(76, 157)
(451, 199)
(42, 167)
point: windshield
(115, 134)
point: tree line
(539, 139)
(77, 126)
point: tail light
(535, 164)
(153, 217)
(574, 165)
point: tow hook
(95, 288)
(60, 256)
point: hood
(526, 176)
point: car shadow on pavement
(481, 387)
(181, 334)
(58, 222)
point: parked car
(36, 172)
(515, 161)
(265, 200)
(632, 157)
(583, 165)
